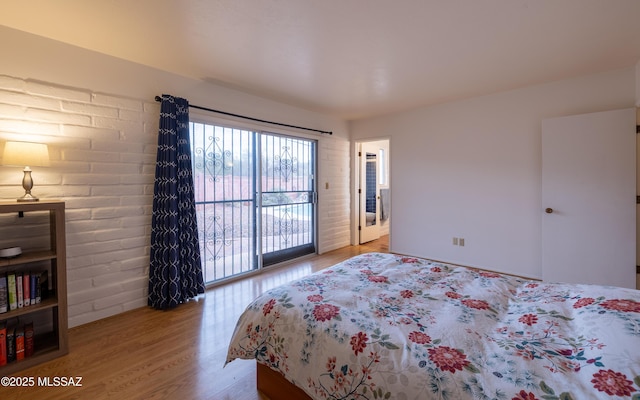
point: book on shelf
(11, 284)
(26, 285)
(4, 295)
(43, 286)
(32, 289)
(18, 341)
(11, 344)
(28, 339)
(19, 295)
(3, 344)
(19, 335)
(38, 288)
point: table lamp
(26, 154)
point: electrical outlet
(461, 241)
(455, 241)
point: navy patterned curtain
(175, 271)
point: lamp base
(28, 197)
(27, 185)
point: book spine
(4, 299)
(3, 344)
(32, 289)
(19, 295)
(26, 284)
(28, 339)
(19, 344)
(11, 345)
(38, 290)
(11, 284)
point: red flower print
(583, 302)
(436, 269)
(612, 383)
(359, 342)
(366, 371)
(567, 365)
(488, 274)
(268, 307)
(378, 278)
(409, 260)
(255, 335)
(453, 295)
(407, 294)
(419, 337)
(366, 271)
(525, 396)
(331, 364)
(477, 304)
(448, 359)
(621, 305)
(525, 353)
(324, 312)
(339, 379)
(531, 285)
(315, 298)
(529, 319)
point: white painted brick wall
(334, 202)
(102, 150)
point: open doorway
(373, 189)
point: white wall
(472, 169)
(100, 119)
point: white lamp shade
(24, 154)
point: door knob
(549, 210)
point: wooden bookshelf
(50, 339)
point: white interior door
(588, 198)
(369, 193)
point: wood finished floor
(180, 354)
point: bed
(386, 326)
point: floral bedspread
(383, 326)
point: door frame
(355, 184)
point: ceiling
(350, 58)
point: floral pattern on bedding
(384, 326)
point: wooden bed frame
(276, 387)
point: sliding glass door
(255, 198)
(288, 197)
(224, 183)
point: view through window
(255, 198)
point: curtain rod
(158, 98)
